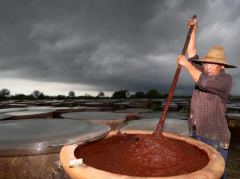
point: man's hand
(193, 22)
(182, 60)
(192, 51)
(194, 72)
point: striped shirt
(208, 105)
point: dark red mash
(143, 155)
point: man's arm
(192, 51)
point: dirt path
(233, 163)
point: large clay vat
(174, 126)
(132, 112)
(4, 117)
(30, 148)
(109, 118)
(31, 114)
(213, 170)
(94, 104)
(61, 110)
(158, 114)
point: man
(212, 87)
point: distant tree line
(121, 94)
(138, 95)
(43, 97)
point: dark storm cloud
(111, 44)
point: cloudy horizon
(91, 46)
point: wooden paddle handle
(170, 95)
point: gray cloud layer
(112, 44)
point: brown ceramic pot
(28, 163)
(213, 170)
(111, 123)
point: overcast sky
(88, 46)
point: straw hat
(216, 55)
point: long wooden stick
(170, 95)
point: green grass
(185, 111)
(155, 107)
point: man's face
(212, 68)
